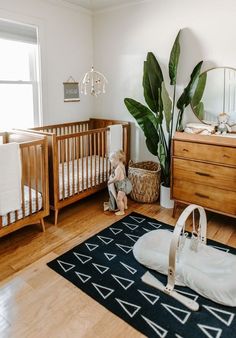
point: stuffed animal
(223, 126)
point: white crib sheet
(80, 181)
(27, 206)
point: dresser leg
(174, 209)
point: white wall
(66, 41)
(123, 37)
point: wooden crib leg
(42, 224)
(56, 216)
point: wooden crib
(34, 181)
(78, 159)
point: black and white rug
(104, 268)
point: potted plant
(160, 109)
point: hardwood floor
(37, 302)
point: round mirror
(215, 93)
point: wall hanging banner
(71, 90)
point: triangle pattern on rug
(124, 282)
(109, 256)
(83, 277)
(149, 296)
(65, 266)
(103, 290)
(125, 248)
(101, 268)
(225, 317)
(133, 238)
(138, 219)
(130, 226)
(82, 258)
(129, 308)
(155, 225)
(129, 268)
(157, 328)
(220, 248)
(105, 240)
(105, 269)
(147, 230)
(115, 231)
(91, 247)
(176, 312)
(210, 332)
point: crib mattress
(96, 175)
(26, 206)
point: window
(19, 74)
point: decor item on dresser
(160, 107)
(32, 204)
(199, 128)
(223, 126)
(145, 178)
(204, 171)
(78, 158)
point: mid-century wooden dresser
(204, 172)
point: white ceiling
(96, 5)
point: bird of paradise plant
(160, 107)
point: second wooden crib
(78, 159)
(34, 181)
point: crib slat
(82, 159)
(91, 161)
(68, 165)
(78, 156)
(1, 225)
(95, 157)
(73, 165)
(62, 167)
(106, 155)
(8, 218)
(87, 153)
(36, 178)
(103, 155)
(29, 180)
(22, 182)
(99, 158)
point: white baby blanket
(115, 141)
(10, 178)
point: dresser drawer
(205, 152)
(209, 197)
(204, 173)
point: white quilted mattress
(96, 175)
(27, 206)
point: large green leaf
(152, 137)
(199, 90)
(174, 60)
(187, 95)
(199, 110)
(167, 106)
(152, 80)
(140, 112)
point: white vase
(165, 200)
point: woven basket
(145, 179)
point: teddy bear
(223, 126)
